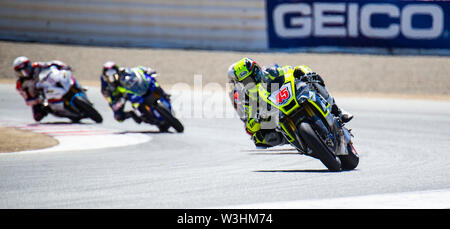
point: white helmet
(23, 67)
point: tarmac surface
(403, 146)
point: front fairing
(134, 81)
(281, 96)
(54, 83)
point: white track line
(433, 199)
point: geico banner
(388, 24)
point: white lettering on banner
(303, 24)
(389, 32)
(351, 20)
(321, 20)
(427, 33)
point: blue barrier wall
(379, 24)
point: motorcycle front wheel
(319, 148)
(87, 108)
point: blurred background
(384, 47)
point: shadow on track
(269, 150)
(145, 132)
(280, 153)
(295, 171)
(272, 151)
(303, 171)
(60, 123)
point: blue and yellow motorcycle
(147, 97)
(306, 121)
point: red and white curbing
(74, 137)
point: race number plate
(282, 96)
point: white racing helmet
(22, 67)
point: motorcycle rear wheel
(350, 161)
(174, 122)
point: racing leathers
(31, 94)
(247, 104)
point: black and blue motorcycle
(146, 96)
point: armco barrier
(207, 24)
(382, 24)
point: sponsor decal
(411, 24)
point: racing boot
(134, 116)
(341, 113)
(260, 141)
(40, 111)
(346, 116)
(274, 138)
(268, 138)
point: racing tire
(88, 109)
(319, 149)
(174, 122)
(350, 161)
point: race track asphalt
(404, 146)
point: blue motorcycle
(147, 97)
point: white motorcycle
(64, 95)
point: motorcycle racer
(27, 73)
(245, 75)
(248, 74)
(114, 84)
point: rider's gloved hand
(298, 73)
(318, 78)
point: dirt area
(344, 73)
(13, 140)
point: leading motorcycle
(306, 121)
